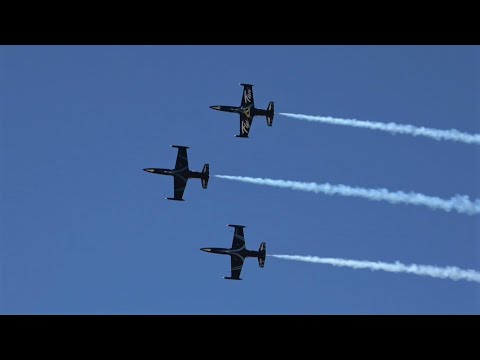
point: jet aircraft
(182, 173)
(238, 253)
(247, 111)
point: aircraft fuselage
(184, 173)
(249, 111)
(242, 252)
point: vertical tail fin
(270, 113)
(206, 175)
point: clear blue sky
(85, 231)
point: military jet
(182, 173)
(247, 111)
(238, 253)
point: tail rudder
(270, 113)
(206, 175)
(262, 253)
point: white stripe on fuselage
(234, 252)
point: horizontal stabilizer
(180, 146)
(231, 278)
(236, 226)
(270, 113)
(262, 253)
(206, 175)
(242, 136)
(175, 199)
(245, 84)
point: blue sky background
(85, 231)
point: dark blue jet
(247, 111)
(182, 173)
(238, 253)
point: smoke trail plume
(449, 272)
(459, 203)
(452, 135)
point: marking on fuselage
(240, 256)
(245, 126)
(234, 252)
(181, 169)
(247, 95)
(237, 250)
(176, 171)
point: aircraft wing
(247, 96)
(238, 241)
(182, 159)
(245, 124)
(179, 185)
(236, 263)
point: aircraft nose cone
(148, 170)
(205, 249)
(215, 107)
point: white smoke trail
(452, 135)
(449, 272)
(459, 203)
